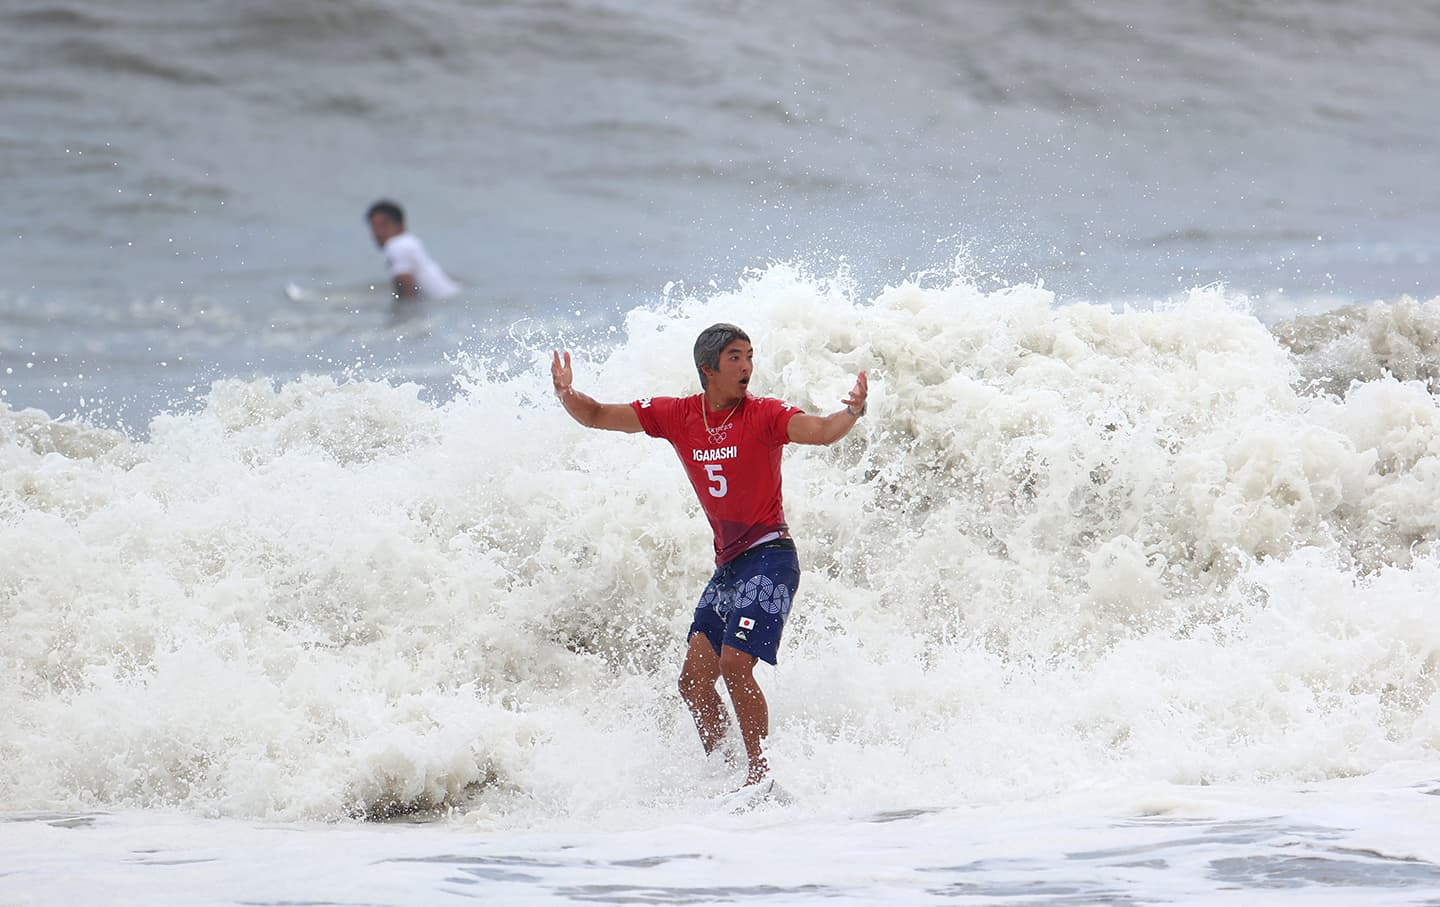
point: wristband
(863, 407)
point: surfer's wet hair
(389, 209)
(711, 343)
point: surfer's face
(382, 228)
(732, 375)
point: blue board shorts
(747, 600)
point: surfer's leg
(697, 687)
(752, 712)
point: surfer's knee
(688, 686)
(736, 665)
(693, 683)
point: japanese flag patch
(747, 623)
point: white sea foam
(1068, 547)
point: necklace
(723, 420)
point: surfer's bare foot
(748, 785)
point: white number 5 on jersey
(718, 485)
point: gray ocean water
(1100, 608)
(170, 167)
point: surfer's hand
(561, 373)
(855, 403)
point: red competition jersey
(734, 466)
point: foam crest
(1068, 545)
(1360, 343)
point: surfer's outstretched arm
(807, 429)
(586, 409)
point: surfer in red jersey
(729, 442)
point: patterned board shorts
(747, 600)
